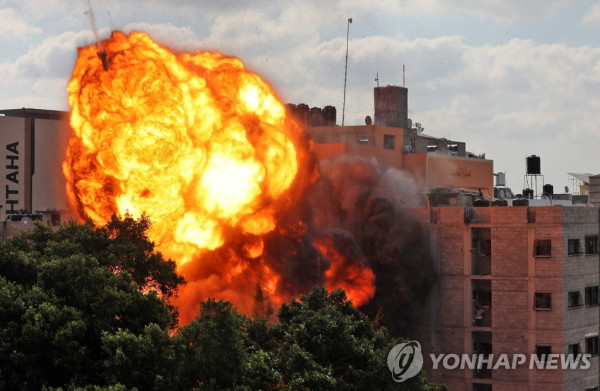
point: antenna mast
(346, 71)
(377, 79)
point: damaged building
(516, 275)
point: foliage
(85, 308)
(64, 294)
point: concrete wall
(580, 271)
(435, 170)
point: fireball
(200, 145)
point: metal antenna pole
(346, 71)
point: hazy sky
(511, 78)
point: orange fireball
(201, 146)
(195, 141)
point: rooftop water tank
(533, 165)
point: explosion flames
(204, 148)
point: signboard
(12, 174)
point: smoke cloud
(360, 206)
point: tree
(85, 308)
(64, 293)
(325, 343)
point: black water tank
(481, 202)
(315, 117)
(549, 189)
(520, 202)
(528, 193)
(329, 115)
(533, 165)
(499, 202)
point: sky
(510, 78)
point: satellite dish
(502, 193)
(566, 189)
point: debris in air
(102, 55)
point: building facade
(514, 280)
(33, 142)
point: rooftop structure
(516, 275)
(433, 162)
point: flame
(200, 145)
(347, 272)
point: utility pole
(346, 71)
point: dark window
(591, 295)
(574, 247)
(591, 244)
(593, 389)
(542, 301)
(591, 345)
(575, 299)
(484, 348)
(542, 352)
(530, 215)
(388, 141)
(55, 219)
(542, 248)
(482, 298)
(482, 387)
(574, 350)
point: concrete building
(33, 142)
(433, 162)
(514, 280)
(517, 277)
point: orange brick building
(512, 279)
(432, 162)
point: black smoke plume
(365, 210)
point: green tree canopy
(63, 292)
(84, 308)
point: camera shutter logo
(405, 360)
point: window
(592, 389)
(482, 342)
(574, 350)
(591, 345)
(388, 141)
(543, 351)
(591, 295)
(482, 387)
(575, 299)
(482, 298)
(574, 247)
(591, 244)
(542, 301)
(55, 219)
(542, 248)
